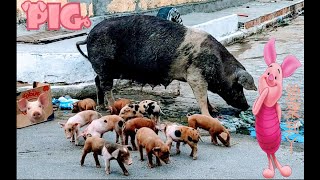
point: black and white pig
(153, 51)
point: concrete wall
(104, 7)
(86, 7)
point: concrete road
(44, 152)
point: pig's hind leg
(95, 156)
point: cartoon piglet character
(266, 109)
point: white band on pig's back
(171, 131)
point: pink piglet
(266, 109)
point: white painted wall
(220, 27)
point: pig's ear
(163, 127)
(61, 124)
(110, 108)
(115, 153)
(156, 149)
(269, 52)
(22, 104)
(25, 6)
(43, 99)
(75, 124)
(289, 65)
(246, 80)
(42, 6)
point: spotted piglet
(185, 134)
(130, 111)
(150, 109)
(74, 123)
(109, 151)
(104, 124)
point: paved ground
(43, 151)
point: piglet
(185, 134)
(148, 139)
(104, 124)
(34, 109)
(109, 151)
(130, 111)
(129, 129)
(74, 123)
(150, 109)
(114, 151)
(118, 105)
(266, 109)
(85, 104)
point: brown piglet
(154, 145)
(118, 105)
(213, 125)
(85, 104)
(130, 126)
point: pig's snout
(128, 162)
(270, 80)
(36, 115)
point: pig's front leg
(158, 161)
(213, 136)
(150, 163)
(194, 151)
(107, 165)
(132, 137)
(178, 147)
(125, 171)
(169, 142)
(76, 142)
(117, 137)
(100, 97)
(259, 101)
(121, 138)
(125, 138)
(199, 87)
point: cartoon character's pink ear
(269, 52)
(42, 6)
(289, 65)
(25, 6)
